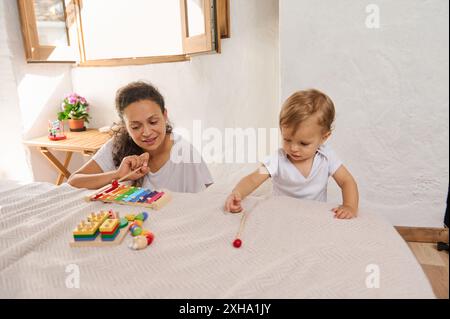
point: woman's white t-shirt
(184, 172)
(288, 180)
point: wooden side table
(86, 143)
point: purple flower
(72, 100)
(82, 100)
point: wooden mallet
(114, 184)
(238, 242)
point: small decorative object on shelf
(56, 130)
(75, 108)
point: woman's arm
(350, 196)
(91, 176)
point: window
(49, 30)
(204, 23)
(121, 32)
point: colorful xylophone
(131, 195)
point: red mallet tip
(150, 238)
(115, 183)
(237, 243)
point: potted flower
(75, 109)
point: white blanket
(291, 249)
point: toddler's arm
(245, 187)
(350, 197)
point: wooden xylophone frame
(160, 199)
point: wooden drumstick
(129, 174)
(238, 242)
(114, 184)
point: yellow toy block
(130, 217)
(109, 225)
(86, 228)
(99, 217)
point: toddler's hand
(344, 212)
(233, 203)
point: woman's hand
(233, 203)
(344, 212)
(130, 163)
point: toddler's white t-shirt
(288, 180)
(184, 172)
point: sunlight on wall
(13, 163)
(35, 92)
(14, 170)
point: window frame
(216, 26)
(36, 52)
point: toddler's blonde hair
(303, 104)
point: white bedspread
(291, 249)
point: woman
(144, 140)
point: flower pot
(76, 125)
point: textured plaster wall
(237, 88)
(30, 95)
(10, 137)
(390, 88)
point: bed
(291, 249)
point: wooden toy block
(98, 231)
(111, 234)
(109, 225)
(99, 217)
(86, 228)
(110, 237)
(98, 242)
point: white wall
(390, 88)
(10, 137)
(237, 88)
(30, 95)
(221, 90)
